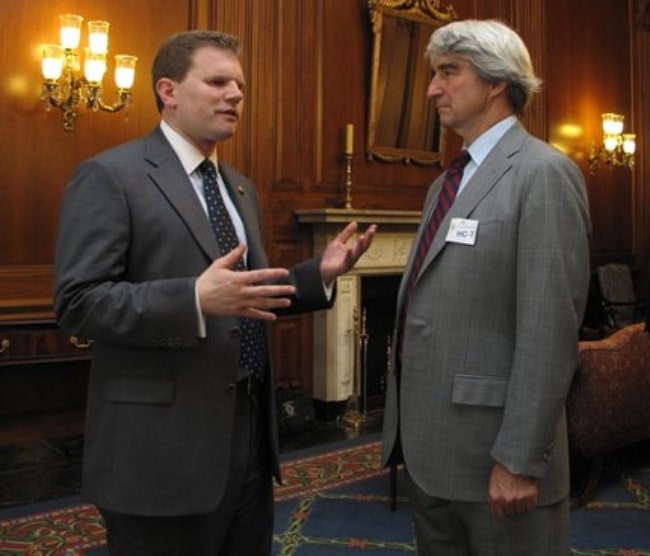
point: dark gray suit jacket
(133, 237)
(491, 335)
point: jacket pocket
(486, 391)
(155, 391)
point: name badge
(462, 231)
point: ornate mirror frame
(403, 125)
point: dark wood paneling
(308, 65)
(589, 73)
(640, 89)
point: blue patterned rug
(617, 521)
(337, 503)
(356, 517)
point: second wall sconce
(617, 149)
(64, 89)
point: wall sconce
(60, 66)
(617, 149)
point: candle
(349, 139)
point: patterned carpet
(617, 521)
(337, 504)
(77, 529)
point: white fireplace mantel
(334, 340)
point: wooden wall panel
(528, 18)
(293, 137)
(640, 90)
(589, 73)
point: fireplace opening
(378, 299)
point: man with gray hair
(488, 315)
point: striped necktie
(446, 197)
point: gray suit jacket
(490, 338)
(133, 237)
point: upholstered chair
(608, 406)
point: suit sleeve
(552, 281)
(310, 291)
(96, 294)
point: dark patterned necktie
(254, 356)
(446, 197)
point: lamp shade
(70, 30)
(125, 70)
(611, 142)
(629, 143)
(94, 67)
(52, 61)
(98, 37)
(612, 123)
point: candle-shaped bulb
(125, 71)
(53, 61)
(70, 31)
(629, 143)
(94, 67)
(98, 36)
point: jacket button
(231, 388)
(235, 332)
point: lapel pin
(240, 188)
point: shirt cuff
(329, 290)
(200, 317)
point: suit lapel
(168, 175)
(487, 176)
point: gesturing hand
(224, 291)
(339, 257)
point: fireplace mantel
(334, 340)
(343, 216)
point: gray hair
(174, 57)
(497, 53)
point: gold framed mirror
(403, 124)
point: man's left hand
(511, 494)
(339, 257)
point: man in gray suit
(181, 435)
(488, 330)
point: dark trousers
(242, 524)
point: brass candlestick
(348, 181)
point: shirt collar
(484, 143)
(188, 154)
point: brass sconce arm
(617, 149)
(614, 158)
(72, 93)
